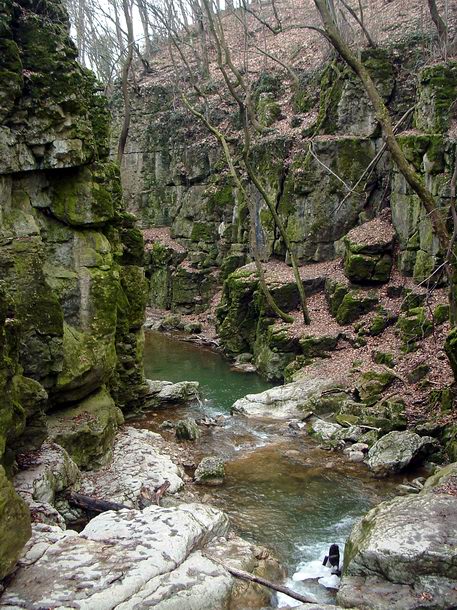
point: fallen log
(93, 504)
(306, 599)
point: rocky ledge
(142, 555)
(158, 557)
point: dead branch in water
(306, 599)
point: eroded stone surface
(139, 462)
(130, 559)
(48, 472)
(396, 450)
(283, 401)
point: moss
(354, 305)
(414, 326)
(87, 430)
(441, 313)
(372, 384)
(450, 348)
(268, 111)
(384, 358)
(15, 527)
(437, 93)
(202, 231)
(318, 346)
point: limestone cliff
(71, 288)
(175, 176)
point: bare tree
(382, 114)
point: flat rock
(396, 450)
(403, 555)
(158, 557)
(139, 463)
(164, 392)
(285, 401)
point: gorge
(154, 351)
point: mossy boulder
(15, 527)
(210, 471)
(413, 326)
(187, 430)
(385, 416)
(368, 252)
(87, 430)
(268, 110)
(397, 450)
(274, 350)
(355, 304)
(371, 385)
(450, 347)
(318, 346)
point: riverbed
(281, 490)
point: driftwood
(306, 599)
(93, 504)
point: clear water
(167, 358)
(280, 490)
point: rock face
(72, 298)
(395, 451)
(129, 559)
(14, 525)
(287, 401)
(402, 556)
(47, 473)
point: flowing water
(280, 490)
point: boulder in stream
(286, 401)
(158, 557)
(397, 450)
(403, 556)
(162, 393)
(187, 430)
(210, 471)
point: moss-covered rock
(450, 347)
(87, 430)
(413, 326)
(436, 95)
(383, 416)
(372, 384)
(354, 305)
(15, 527)
(368, 252)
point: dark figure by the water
(332, 560)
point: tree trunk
(125, 81)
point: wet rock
(187, 430)
(14, 525)
(45, 474)
(210, 471)
(156, 557)
(290, 400)
(164, 392)
(139, 463)
(403, 555)
(397, 450)
(324, 430)
(351, 434)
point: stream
(280, 489)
